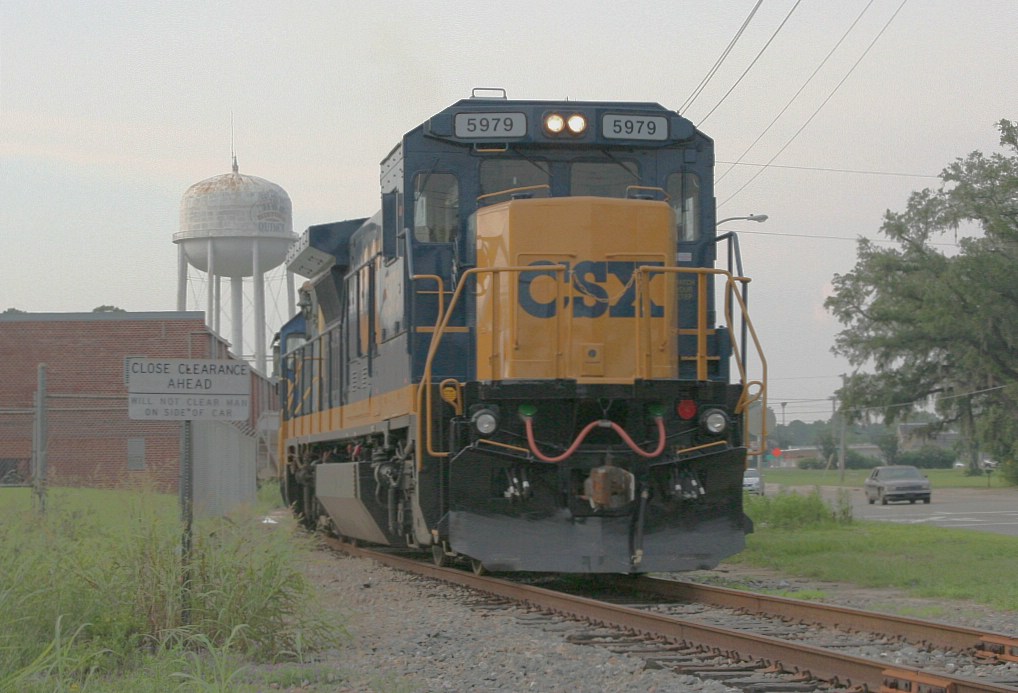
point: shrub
(789, 510)
(812, 463)
(928, 457)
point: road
(987, 510)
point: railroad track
(737, 654)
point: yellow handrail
(752, 390)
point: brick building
(91, 441)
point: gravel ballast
(414, 634)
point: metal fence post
(39, 440)
(186, 516)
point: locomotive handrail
(424, 397)
(653, 188)
(513, 191)
(739, 351)
(441, 292)
(735, 257)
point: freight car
(527, 358)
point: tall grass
(96, 587)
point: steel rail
(932, 633)
(791, 657)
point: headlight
(554, 123)
(576, 124)
(714, 421)
(485, 421)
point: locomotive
(527, 357)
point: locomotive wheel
(438, 555)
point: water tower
(235, 226)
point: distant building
(91, 441)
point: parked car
(897, 483)
(752, 482)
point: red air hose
(604, 423)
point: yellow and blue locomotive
(527, 357)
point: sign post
(187, 390)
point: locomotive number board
(491, 124)
(627, 126)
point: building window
(135, 454)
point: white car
(752, 482)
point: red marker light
(686, 409)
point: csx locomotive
(526, 358)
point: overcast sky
(109, 111)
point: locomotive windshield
(437, 195)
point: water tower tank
(234, 226)
(228, 214)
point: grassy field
(853, 478)
(800, 534)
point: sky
(824, 115)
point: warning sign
(188, 389)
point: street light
(751, 217)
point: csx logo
(598, 287)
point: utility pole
(844, 425)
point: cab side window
(436, 207)
(684, 194)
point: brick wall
(89, 429)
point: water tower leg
(181, 278)
(291, 295)
(259, 310)
(218, 306)
(237, 313)
(210, 294)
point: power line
(881, 408)
(801, 89)
(717, 64)
(837, 238)
(822, 104)
(750, 67)
(833, 170)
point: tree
(12, 311)
(927, 325)
(888, 444)
(108, 309)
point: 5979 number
(488, 125)
(634, 127)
